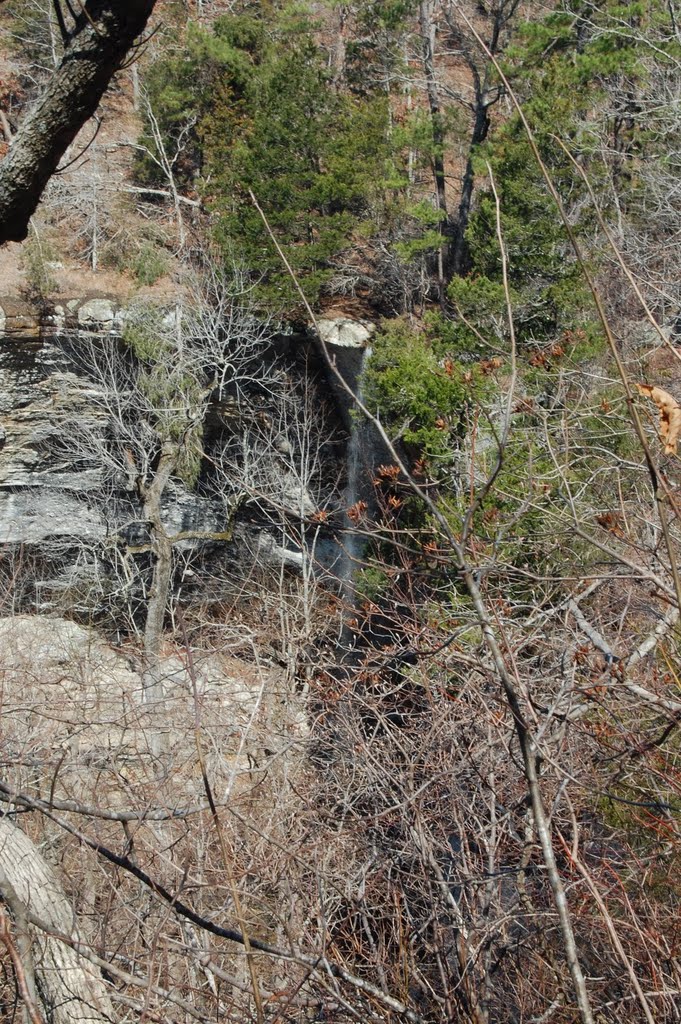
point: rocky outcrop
(45, 486)
(69, 692)
(38, 393)
(342, 332)
(347, 342)
(91, 313)
(51, 495)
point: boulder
(72, 699)
(18, 319)
(342, 332)
(97, 315)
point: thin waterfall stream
(357, 496)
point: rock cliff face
(43, 497)
(48, 498)
(39, 498)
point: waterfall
(357, 488)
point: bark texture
(70, 988)
(96, 47)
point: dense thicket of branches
(444, 785)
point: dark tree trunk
(437, 159)
(487, 93)
(459, 254)
(95, 48)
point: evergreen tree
(567, 69)
(266, 119)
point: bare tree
(148, 397)
(195, 397)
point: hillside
(340, 403)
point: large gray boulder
(342, 332)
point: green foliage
(388, 15)
(311, 157)
(143, 333)
(33, 35)
(188, 465)
(428, 237)
(524, 482)
(420, 390)
(560, 67)
(375, 56)
(257, 91)
(168, 385)
(371, 583)
(416, 225)
(415, 132)
(37, 255)
(545, 279)
(203, 70)
(148, 264)
(481, 303)
(141, 253)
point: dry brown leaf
(670, 415)
(490, 365)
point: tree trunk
(161, 578)
(437, 159)
(479, 134)
(95, 49)
(340, 48)
(487, 92)
(437, 127)
(70, 988)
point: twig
(21, 962)
(612, 931)
(218, 824)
